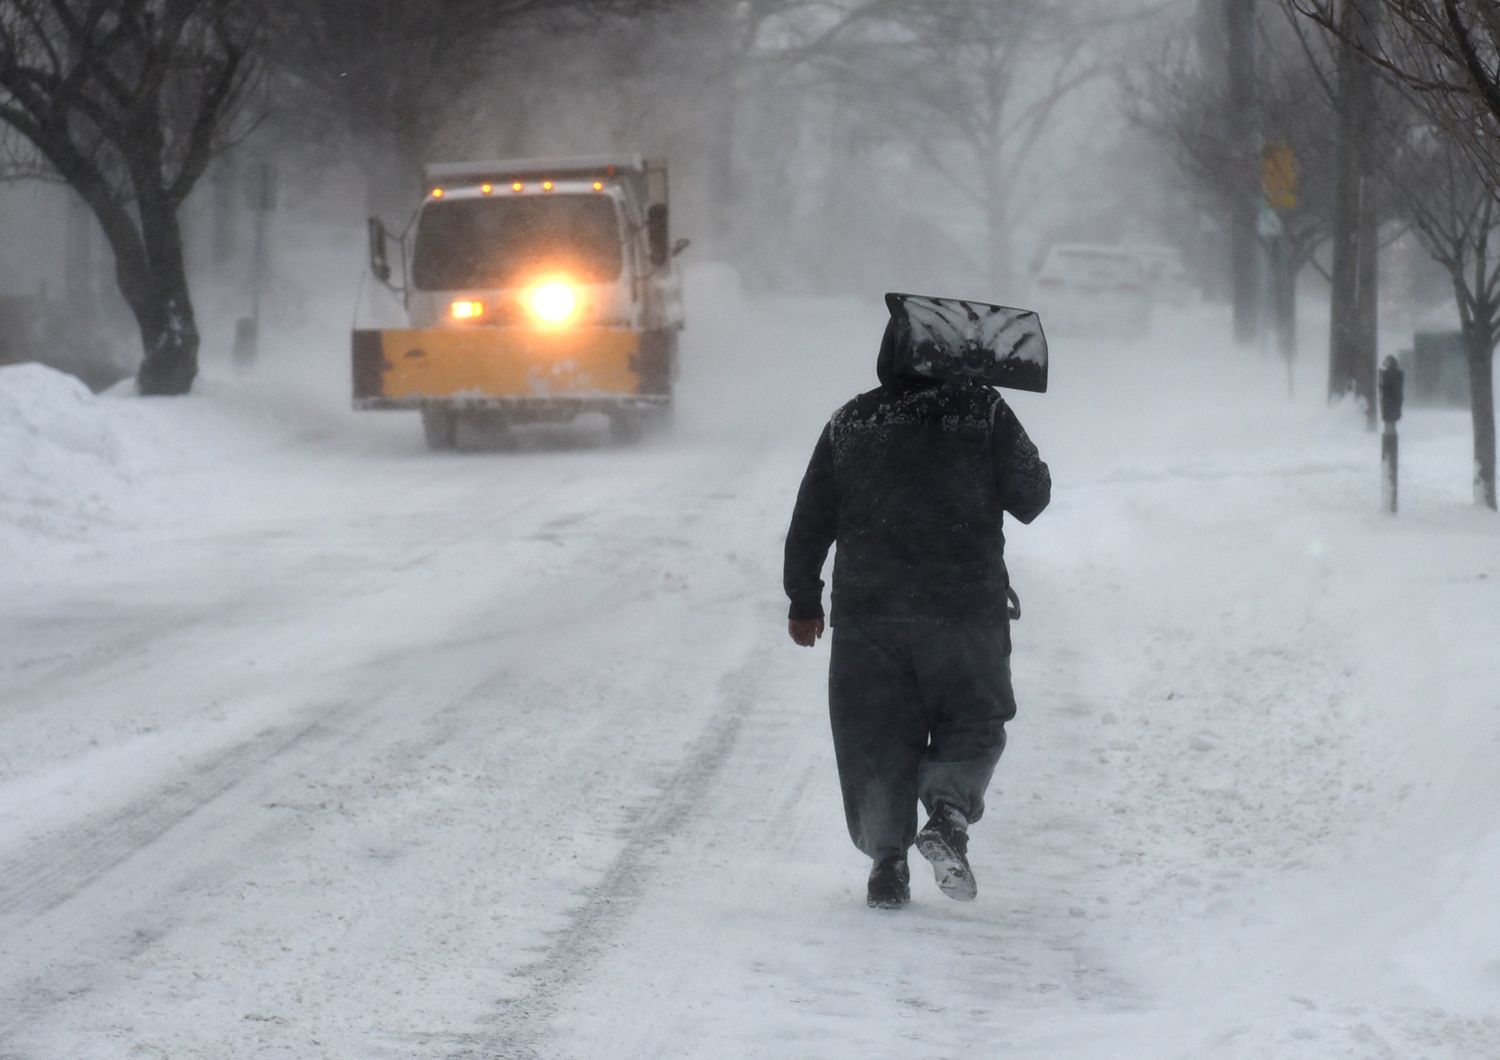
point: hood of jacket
(895, 348)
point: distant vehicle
(535, 290)
(1165, 277)
(1094, 288)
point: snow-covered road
(316, 744)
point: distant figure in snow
(911, 480)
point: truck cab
(534, 290)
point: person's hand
(805, 631)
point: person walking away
(912, 480)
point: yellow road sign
(1278, 176)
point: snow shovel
(956, 339)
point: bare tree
(126, 101)
(1446, 53)
(1353, 31)
(1457, 218)
(981, 77)
(743, 61)
(1185, 104)
(1444, 57)
(749, 54)
(390, 72)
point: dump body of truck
(534, 290)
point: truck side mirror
(379, 264)
(657, 234)
(681, 245)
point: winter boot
(890, 883)
(944, 841)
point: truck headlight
(554, 302)
(466, 310)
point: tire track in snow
(70, 862)
(62, 866)
(784, 914)
(97, 855)
(37, 690)
(59, 867)
(522, 1030)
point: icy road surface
(316, 744)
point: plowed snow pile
(63, 470)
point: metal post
(247, 329)
(1389, 457)
(1392, 391)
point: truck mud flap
(369, 364)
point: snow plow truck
(533, 291)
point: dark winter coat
(912, 480)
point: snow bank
(63, 469)
(78, 469)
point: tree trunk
(1354, 323)
(162, 307)
(1244, 287)
(1479, 345)
(151, 274)
(1244, 240)
(228, 202)
(1284, 268)
(1366, 320)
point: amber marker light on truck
(486, 188)
(553, 302)
(437, 193)
(466, 309)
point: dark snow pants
(918, 712)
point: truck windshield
(500, 242)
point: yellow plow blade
(502, 363)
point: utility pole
(1244, 128)
(1354, 330)
(222, 178)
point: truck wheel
(441, 428)
(658, 419)
(625, 428)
